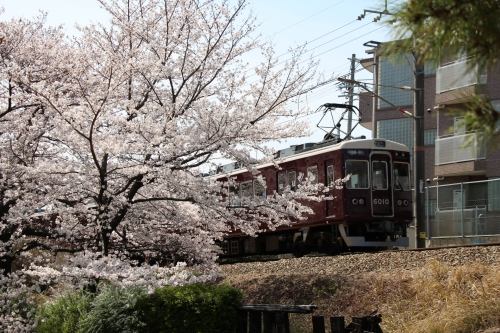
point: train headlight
(400, 202)
(361, 201)
(354, 201)
(405, 202)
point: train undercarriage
(328, 239)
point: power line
(336, 47)
(312, 41)
(352, 40)
(331, 40)
(326, 90)
(307, 18)
(344, 65)
(308, 42)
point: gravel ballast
(367, 262)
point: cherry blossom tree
(124, 118)
(104, 136)
(26, 58)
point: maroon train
(373, 209)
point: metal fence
(469, 209)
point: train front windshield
(401, 176)
(359, 174)
(379, 175)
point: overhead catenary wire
(313, 40)
(328, 33)
(315, 56)
(356, 71)
(326, 90)
(321, 92)
(316, 47)
(347, 33)
(307, 18)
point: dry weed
(447, 299)
(436, 299)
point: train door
(329, 181)
(381, 171)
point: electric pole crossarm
(361, 85)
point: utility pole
(419, 150)
(350, 92)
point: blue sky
(287, 22)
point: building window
(398, 130)
(459, 125)
(430, 67)
(430, 137)
(494, 195)
(395, 70)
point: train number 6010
(380, 201)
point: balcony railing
(457, 75)
(460, 148)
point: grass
(446, 299)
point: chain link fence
(469, 209)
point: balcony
(462, 154)
(455, 82)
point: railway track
(391, 262)
(278, 257)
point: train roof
(324, 147)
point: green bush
(64, 314)
(114, 310)
(193, 308)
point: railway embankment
(442, 290)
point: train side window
(234, 195)
(225, 247)
(281, 181)
(379, 175)
(287, 178)
(260, 188)
(359, 174)
(401, 176)
(292, 180)
(235, 247)
(313, 170)
(329, 175)
(247, 190)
